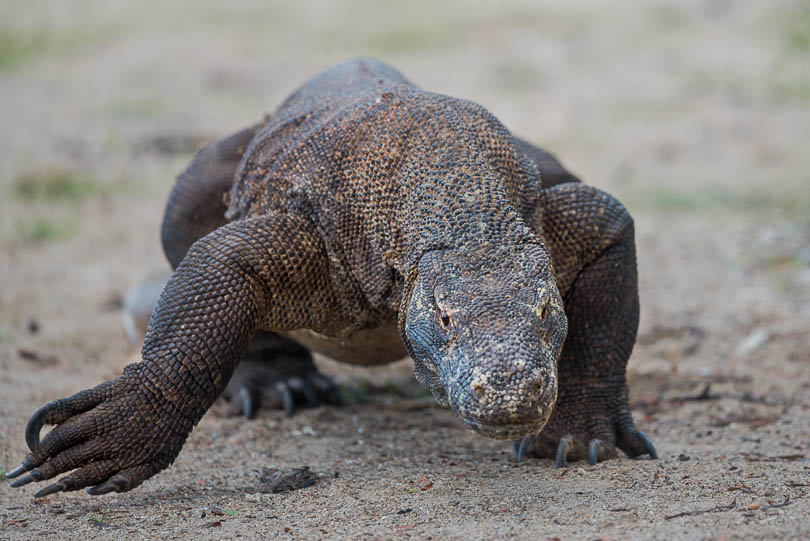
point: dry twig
(718, 509)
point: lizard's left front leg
(269, 271)
(590, 237)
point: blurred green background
(689, 105)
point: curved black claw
(519, 447)
(642, 437)
(593, 452)
(35, 424)
(16, 471)
(271, 383)
(48, 490)
(104, 488)
(248, 402)
(35, 475)
(562, 451)
(289, 402)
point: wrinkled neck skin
(481, 315)
(461, 207)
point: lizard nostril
(542, 311)
(479, 391)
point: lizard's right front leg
(262, 271)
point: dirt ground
(696, 114)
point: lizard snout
(510, 402)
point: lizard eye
(543, 313)
(444, 319)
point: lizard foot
(108, 439)
(575, 433)
(568, 443)
(283, 380)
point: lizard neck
(465, 208)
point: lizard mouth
(514, 431)
(496, 431)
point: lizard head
(485, 329)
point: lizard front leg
(590, 237)
(268, 271)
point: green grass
(51, 199)
(792, 87)
(404, 34)
(517, 75)
(19, 47)
(4, 459)
(797, 27)
(100, 520)
(409, 35)
(16, 47)
(787, 203)
(790, 77)
(57, 184)
(138, 108)
(670, 199)
(54, 184)
(45, 229)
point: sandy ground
(696, 114)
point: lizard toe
(563, 449)
(59, 411)
(647, 444)
(19, 470)
(632, 441)
(519, 447)
(263, 386)
(248, 402)
(287, 399)
(91, 474)
(126, 479)
(593, 452)
(48, 490)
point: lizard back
(385, 171)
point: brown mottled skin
(366, 218)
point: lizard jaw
(497, 431)
(503, 432)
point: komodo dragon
(368, 219)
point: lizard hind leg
(196, 205)
(277, 373)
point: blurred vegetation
(792, 72)
(16, 47)
(147, 107)
(412, 34)
(791, 204)
(52, 183)
(19, 46)
(45, 229)
(797, 27)
(58, 184)
(51, 197)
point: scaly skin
(361, 203)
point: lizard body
(366, 219)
